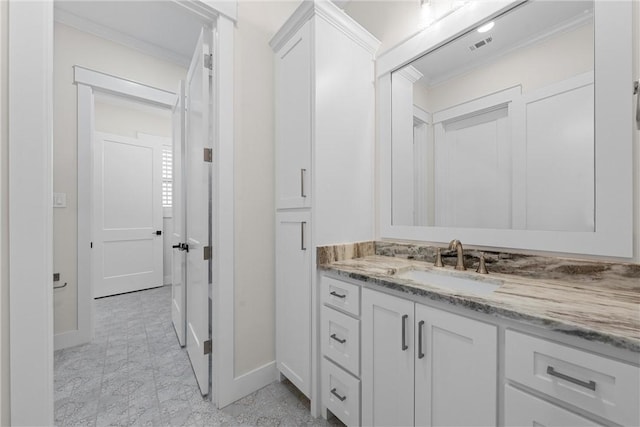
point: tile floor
(135, 373)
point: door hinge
(207, 347)
(208, 155)
(208, 61)
(207, 252)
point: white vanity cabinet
(572, 377)
(424, 366)
(324, 157)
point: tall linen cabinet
(325, 147)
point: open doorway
(126, 136)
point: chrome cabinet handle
(335, 294)
(404, 332)
(636, 92)
(591, 385)
(302, 227)
(420, 328)
(302, 192)
(341, 341)
(335, 393)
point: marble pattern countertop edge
(595, 301)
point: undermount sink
(450, 282)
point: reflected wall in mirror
(495, 129)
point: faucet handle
(438, 262)
(482, 268)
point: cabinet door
(387, 360)
(293, 298)
(293, 121)
(456, 363)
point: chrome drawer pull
(335, 393)
(335, 294)
(420, 327)
(404, 332)
(341, 341)
(591, 385)
(302, 192)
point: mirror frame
(613, 235)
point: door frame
(88, 82)
(30, 120)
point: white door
(456, 360)
(178, 258)
(387, 360)
(198, 202)
(127, 213)
(293, 298)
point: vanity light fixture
(486, 27)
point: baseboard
(70, 339)
(247, 383)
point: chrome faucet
(458, 247)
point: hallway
(134, 373)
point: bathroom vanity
(412, 349)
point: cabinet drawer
(341, 393)
(342, 295)
(599, 385)
(522, 409)
(340, 336)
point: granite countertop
(587, 300)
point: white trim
(226, 388)
(120, 86)
(30, 212)
(614, 168)
(251, 381)
(422, 116)
(331, 14)
(68, 339)
(210, 9)
(84, 333)
(107, 33)
(478, 106)
(87, 81)
(410, 73)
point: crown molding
(410, 73)
(332, 14)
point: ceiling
(524, 25)
(164, 29)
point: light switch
(59, 200)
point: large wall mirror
(503, 132)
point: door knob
(158, 233)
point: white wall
(4, 231)
(254, 182)
(391, 21)
(72, 47)
(571, 53)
